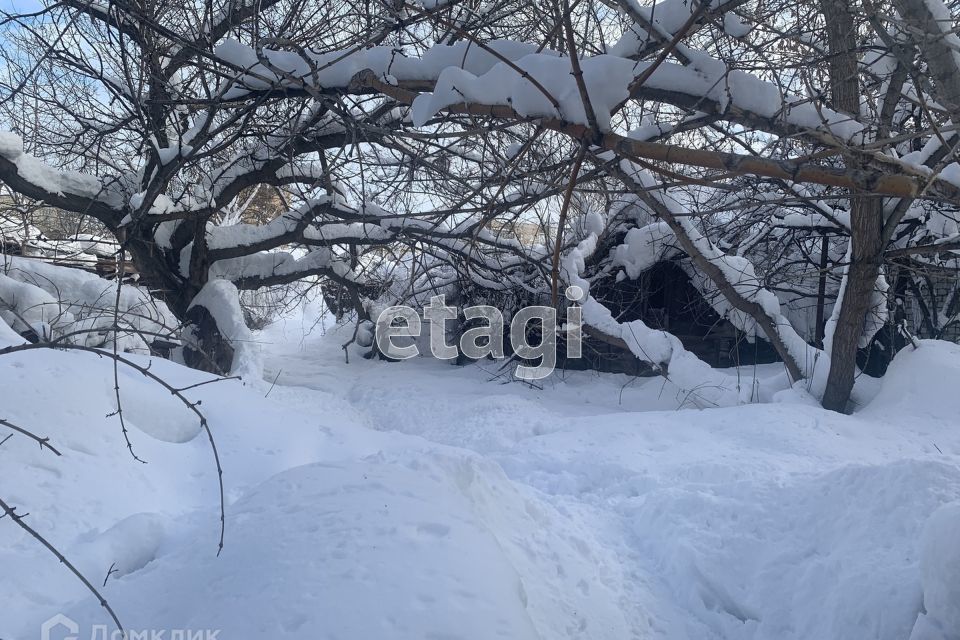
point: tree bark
(205, 348)
(866, 217)
(866, 221)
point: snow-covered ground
(422, 500)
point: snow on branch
(695, 378)
(69, 190)
(657, 23)
(222, 300)
(335, 69)
(729, 282)
(934, 30)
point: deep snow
(423, 500)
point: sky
(22, 6)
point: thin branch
(43, 442)
(18, 519)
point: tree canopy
(798, 158)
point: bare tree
(758, 141)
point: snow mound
(163, 417)
(437, 545)
(82, 304)
(921, 382)
(8, 336)
(25, 307)
(126, 547)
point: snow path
(761, 521)
(423, 500)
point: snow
(11, 145)
(336, 68)
(164, 233)
(940, 566)
(734, 26)
(75, 249)
(8, 336)
(665, 18)
(244, 234)
(166, 155)
(127, 546)
(26, 307)
(643, 247)
(606, 79)
(944, 21)
(535, 84)
(689, 377)
(72, 300)
(920, 380)
(651, 244)
(46, 177)
(419, 499)
(951, 173)
(266, 264)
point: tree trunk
(866, 221)
(866, 217)
(205, 347)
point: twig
(273, 384)
(206, 382)
(145, 371)
(568, 194)
(43, 442)
(116, 364)
(110, 572)
(18, 519)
